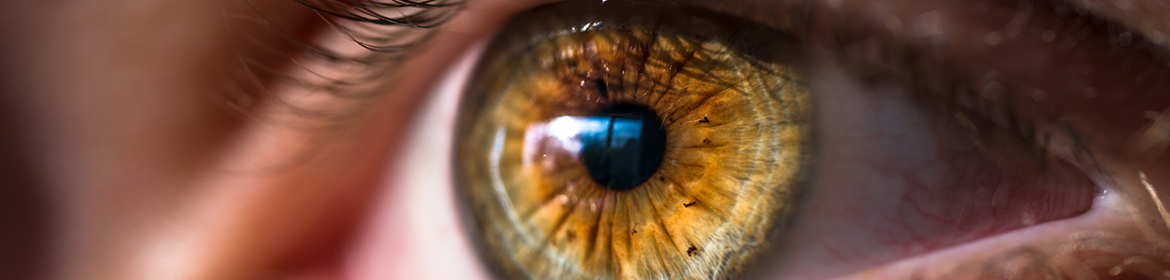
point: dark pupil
(628, 150)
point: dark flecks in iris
(627, 150)
(602, 88)
(704, 120)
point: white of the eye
(415, 232)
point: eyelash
(380, 44)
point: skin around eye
(108, 116)
(733, 157)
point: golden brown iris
(737, 124)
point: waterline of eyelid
(1118, 180)
(1140, 253)
(1129, 190)
(1071, 256)
(1130, 193)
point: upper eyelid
(846, 35)
(889, 43)
(385, 44)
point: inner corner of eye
(627, 139)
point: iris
(631, 140)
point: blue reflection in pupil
(625, 148)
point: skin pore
(124, 161)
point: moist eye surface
(630, 140)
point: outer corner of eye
(631, 140)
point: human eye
(938, 126)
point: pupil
(627, 148)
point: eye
(923, 180)
(848, 219)
(631, 140)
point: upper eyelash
(386, 34)
(366, 11)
